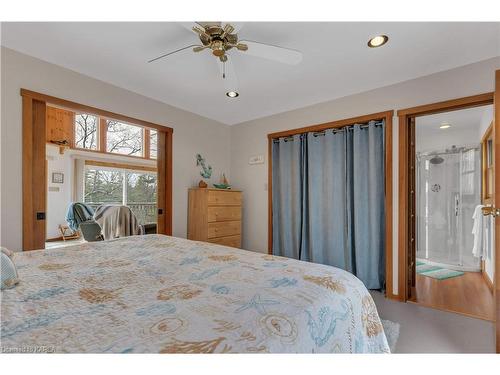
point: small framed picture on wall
(57, 177)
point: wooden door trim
(77, 107)
(496, 197)
(387, 117)
(34, 194)
(404, 116)
(34, 170)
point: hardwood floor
(468, 294)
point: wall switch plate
(258, 159)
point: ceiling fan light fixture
(378, 41)
(232, 94)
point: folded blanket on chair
(117, 221)
(78, 213)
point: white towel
(478, 232)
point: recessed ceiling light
(444, 125)
(232, 94)
(378, 41)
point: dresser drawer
(224, 228)
(227, 198)
(224, 213)
(232, 241)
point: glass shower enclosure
(448, 186)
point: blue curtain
(328, 200)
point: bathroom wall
(468, 132)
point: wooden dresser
(214, 215)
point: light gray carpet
(391, 330)
(426, 330)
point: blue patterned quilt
(160, 294)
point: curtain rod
(323, 132)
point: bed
(161, 294)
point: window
(103, 186)
(141, 196)
(123, 138)
(153, 144)
(469, 166)
(86, 131)
(119, 138)
(134, 189)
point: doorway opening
(91, 175)
(449, 245)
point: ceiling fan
(219, 39)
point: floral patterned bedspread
(164, 294)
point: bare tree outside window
(104, 186)
(86, 133)
(153, 144)
(141, 196)
(124, 138)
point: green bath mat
(436, 272)
(421, 268)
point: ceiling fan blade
(171, 53)
(270, 52)
(200, 48)
(228, 75)
(228, 29)
(237, 26)
(189, 25)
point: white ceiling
(336, 63)
(466, 127)
(460, 120)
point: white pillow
(8, 271)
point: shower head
(436, 160)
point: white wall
(192, 133)
(249, 138)
(432, 141)
(58, 201)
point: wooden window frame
(406, 196)
(487, 136)
(34, 106)
(102, 117)
(118, 165)
(387, 118)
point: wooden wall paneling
(59, 125)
